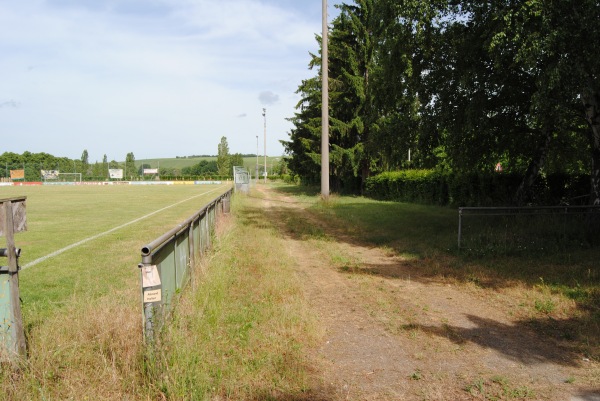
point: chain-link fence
(504, 230)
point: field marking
(83, 241)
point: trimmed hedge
(419, 186)
(473, 189)
(205, 177)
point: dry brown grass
(242, 329)
(91, 353)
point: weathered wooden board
(19, 214)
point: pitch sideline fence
(520, 228)
(168, 262)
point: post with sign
(151, 296)
(12, 337)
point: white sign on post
(116, 173)
(150, 277)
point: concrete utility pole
(265, 116)
(325, 108)
(257, 159)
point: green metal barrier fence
(168, 262)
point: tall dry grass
(83, 354)
(242, 330)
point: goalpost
(72, 174)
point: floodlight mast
(325, 107)
(265, 117)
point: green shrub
(473, 189)
(420, 186)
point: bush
(473, 189)
(419, 186)
(292, 179)
(205, 177)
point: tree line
(32, 163)
(494, 87)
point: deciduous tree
(223, 158)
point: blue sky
(159, 78)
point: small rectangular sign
(150, 171)
(17, 174)
(152, 295)
(116, 173)
(150, 276)
(50, 174)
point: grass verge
(242, 330)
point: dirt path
(391, 335)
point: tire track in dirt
(361, 358)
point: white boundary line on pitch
(76, 244)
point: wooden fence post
(12, 326)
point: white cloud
(9, 104)
(268, 98)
